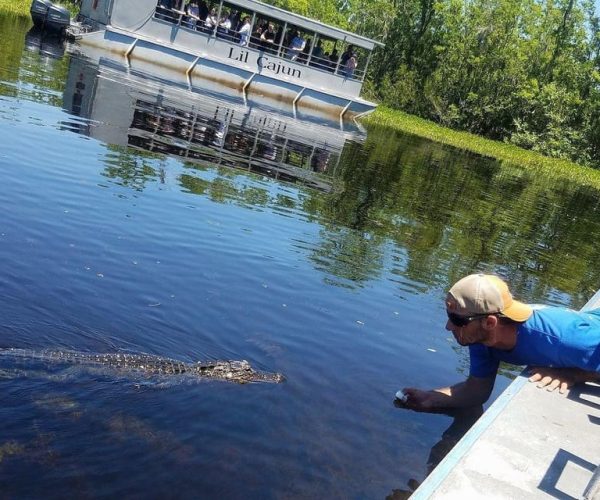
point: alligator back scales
(232, 371)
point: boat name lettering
(242, 56)
(264, 62)
(277, 68)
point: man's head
(485, 298)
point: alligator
(231, 371)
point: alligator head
(235, 371)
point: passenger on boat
(333, 59)
(317, 54)
(267, 38)
(244, 32)
(325, 62)
(203, 12)
(559, 345)
(303, 56)
(347, 54)
(193, 14)
(350, 66)
(224, 26)
(211, 19)
(235, 20)
(296, 46)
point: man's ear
(491, 322)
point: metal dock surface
(530, 443)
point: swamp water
(139, 218)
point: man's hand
(419, 400)
(471, 392)
(559, 378)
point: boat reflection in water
(137, 110)
(48, 47)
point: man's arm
(561, 378)
(471, 392)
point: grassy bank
(485, 147)
(15, 7)
(21, 7)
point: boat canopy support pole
(251, 27)
(214, 33)
(246, 85)
(296, 100)
(343, 113)
(285, 26)
(312, 47)
(337, 64)
(366, 66)
(130, 50)
(188, 72)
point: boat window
(266, 34)
(169, 10)
(325, 53)
(296, 44)
(235, 24)
(352, 62)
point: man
(562, 345)
(296, 46)
(267, 38)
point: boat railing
(279, 46)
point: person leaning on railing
(561, 346)
(211, 19)
(267, 38)
(224, 26)
(192, 11)
(296, 46)
(350, 66)
(244, 31)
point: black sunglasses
(459, 320)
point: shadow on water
(462, 420)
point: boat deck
(530, 443)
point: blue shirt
(553, 337)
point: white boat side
(144, 34)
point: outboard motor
(39, 11)
(57, 19)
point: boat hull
(204, 70)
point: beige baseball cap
(485, 294)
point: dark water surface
(139, 218)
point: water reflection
(47, 46)
(446, 213)
(198, 129)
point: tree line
(525, 72)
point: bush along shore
(504, 152)
(520, 72)
(15, 7)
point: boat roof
(306, 23)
